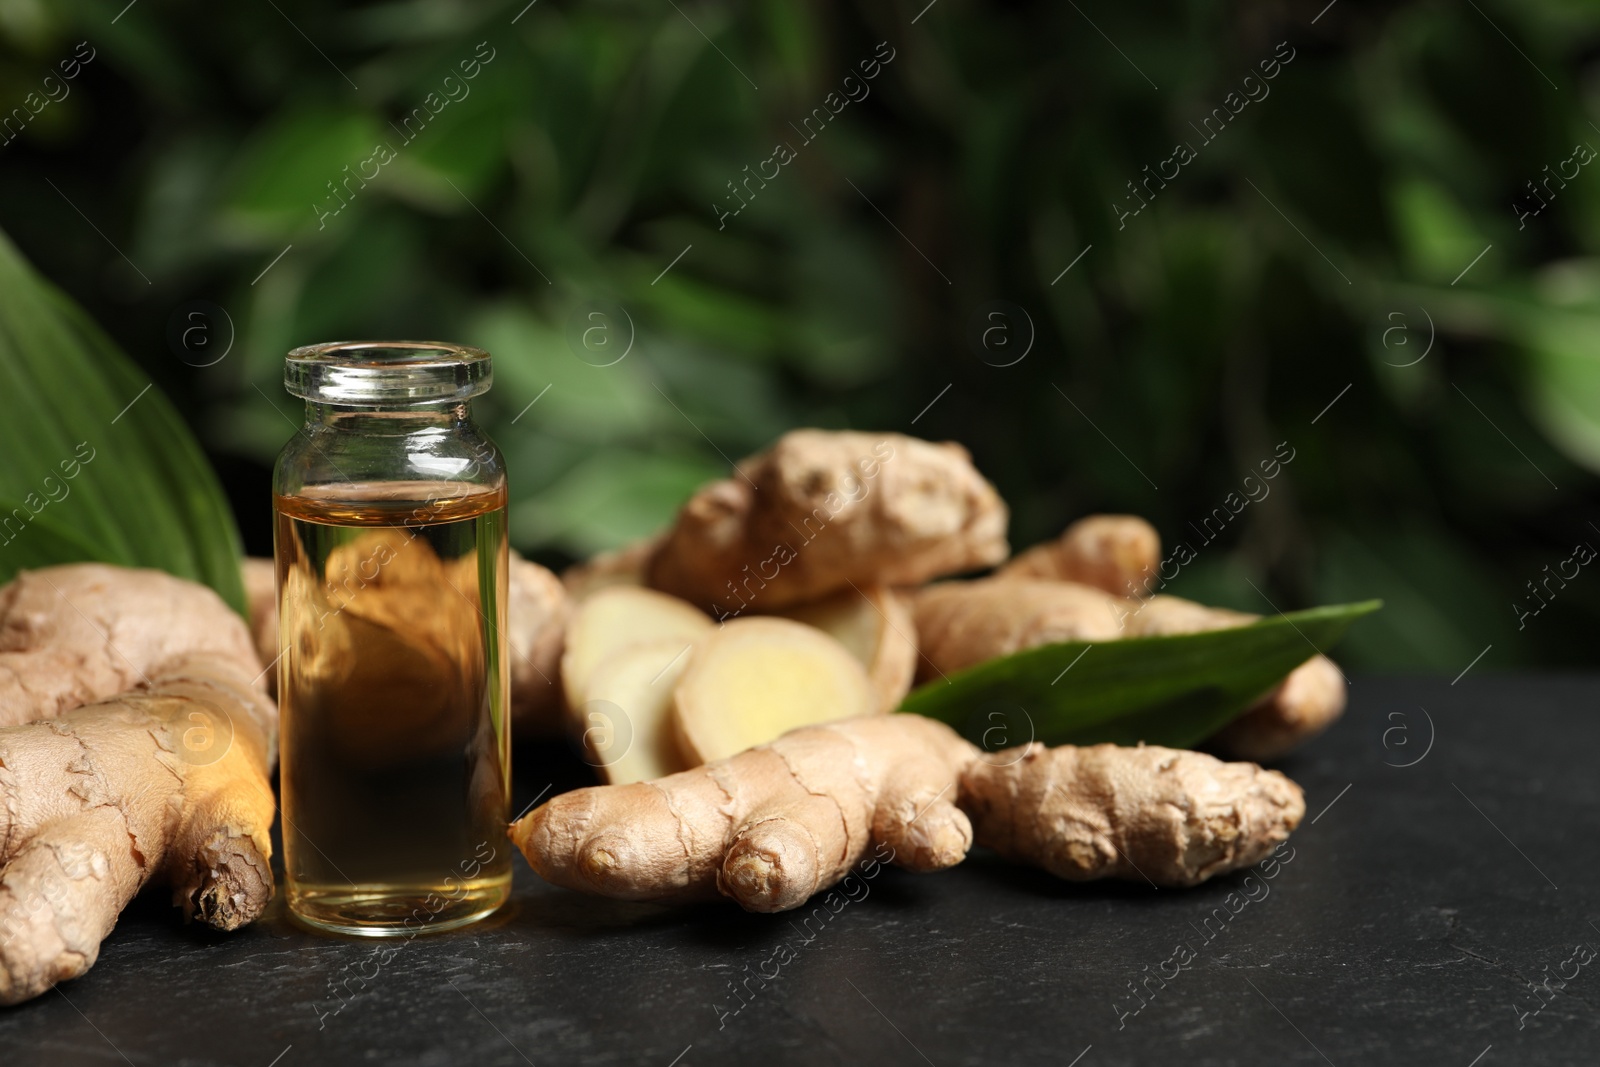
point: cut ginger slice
(626, 732)
(875, 626)
(755, 679)
(616, 618)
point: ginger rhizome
(874, 624)
(621, 566)
(613, 619)
(537, 611)
(654, 686)
(768, 827)
(136, 740)
(822, 510)
(1167, 816)
(755, 679)
(1119, 554)
(1092, 585)
(136, 736)
(775, 824)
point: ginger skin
(1304, 704)
(775, 824)
(1032, 601)
(537, 611)
(768, 827)
(962, 624)
(147, 763)
(620, 566)
(821, 510)
(1119, 554)
(1174, 818)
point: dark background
(1361, 214)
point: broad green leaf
(1438, 236)
(29, 540)
(615, 497)
(300, 171)
(1175, 690)
(95, 456)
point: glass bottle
(391, 550)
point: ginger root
(768, 827)
(757, 678)
(626, 714)
(962, 624)
(874, 624)
(775, 824)
(537, 610)
(1031, 602)
(821, 510)
(621, 566)
(1119, 554)
(610, 620)
(1172, 817)
(148, 763)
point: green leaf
(297, 167)
(1175, 690)
(29, 541)
(98, 465)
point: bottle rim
(387, 372)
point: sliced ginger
(755, 679)
(625, 715)
(874, 624)
(612, 619)
(771, 826)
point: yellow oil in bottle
(392, 695)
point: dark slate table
(1447, 865)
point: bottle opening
(387, 372)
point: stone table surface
(1447, 864)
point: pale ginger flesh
(755, 679)
(780, 822)
(148, 762)
(625, 717)
(612, 619)
(874, 624)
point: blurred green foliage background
(1361, 211)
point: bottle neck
(413, 418)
